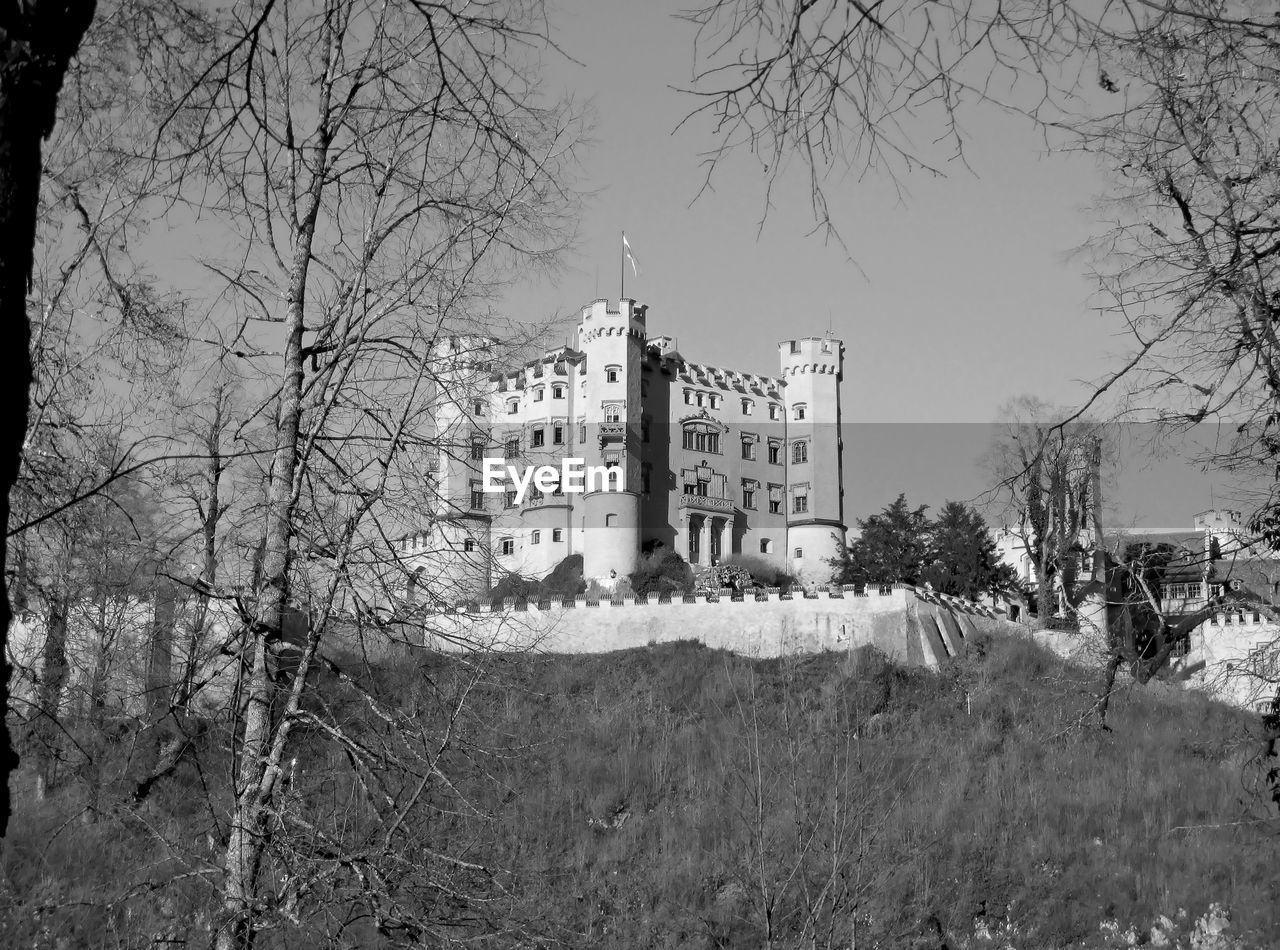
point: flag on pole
(626, 250)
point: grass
(683, 797)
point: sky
(965, 292)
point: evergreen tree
(892, 546)
(964, 561)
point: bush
(763, 571)
(565, 580)
(662, 572)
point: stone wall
(919, 628)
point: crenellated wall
(920, 628)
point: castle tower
(458, 544)
(612, 339)
(812, 369)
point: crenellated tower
(812, 369)
(612, 340)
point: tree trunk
(53, 678)
(1108, 685)
(37, 41)
(258, 757)
(159, 682)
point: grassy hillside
(683, 797)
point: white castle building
(709, 462)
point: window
(699, 399)
(612, 413)
(714, 401)
(612, 459)
(539, 437)
(557, 392)
(513, 448)
(612, 374)
(748, 447)
(538, 394)
(478, 409)
(477, 446)
(513, 406)
(799, 554)
(469, 545)
(775, 453)
(702, 438)
(611, 520)
(795, 346)
(511, 498)
(535, 537)
(800, 504)
(557, 435)
(746, 407)
(749, 496)
(775, 506)
(766, 546)
(507, 546)
(688, 398)
(557, 534)
(799, 453)
(773, 410)
(477, 500)
(797, 411)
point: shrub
(763, 571)
(662, 573)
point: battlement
(813, 354)
(725, 597)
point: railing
(706, 502)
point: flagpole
(622, 271)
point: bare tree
(381, 166)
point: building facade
(710, 462)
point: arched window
(797, 411)
(557, 392)
(799, 453)
(766, 546)
(513, 406)
(612, 413)
(612, 374)
(469, 544)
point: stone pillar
(704, 541)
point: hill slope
(685, 797)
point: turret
(812, 369)
(612, 340)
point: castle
(706, 462)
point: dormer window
(612, 374)
(797, 411)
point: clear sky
(968, 291)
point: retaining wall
(914, 627)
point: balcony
(706, 503)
